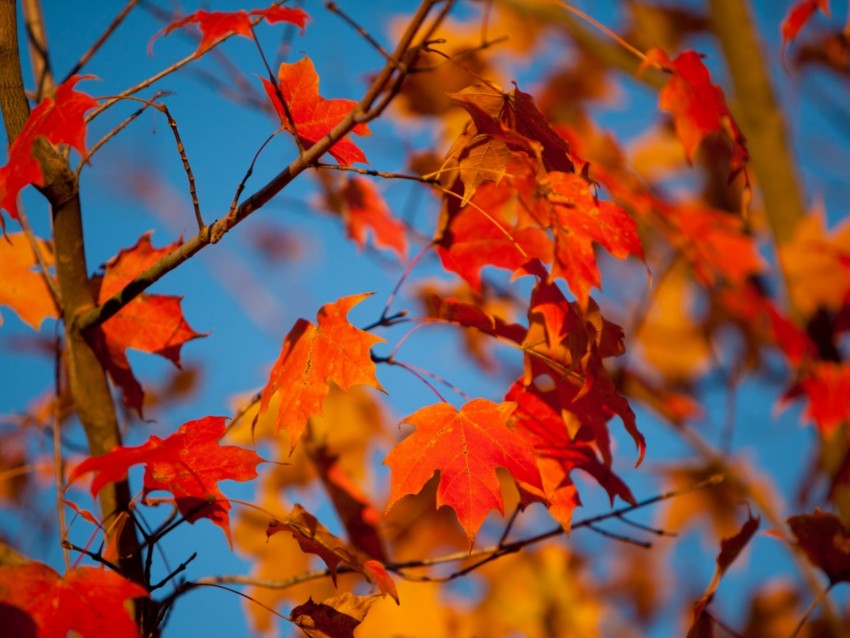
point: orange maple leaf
(22, 288)
(313, 115)
(465, 447)
(216, 25)
(61, 120)
(311, 357)
(150, 323)
(698, 107)
(189, 464)
(87, 601)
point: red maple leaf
(539, 418)
(150, 323)
(485, 232)
(36, 601)
(313, 356)
(313, 115)
(61, 120)
(826, 387)
(189, 464)
(799, 15)
(698, 107)
(465, 447)
(365, 209)
(216, 25)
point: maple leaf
(215, 25)
(61, 120)
(189, 464)
(313, 115)
(826, 541)
(364, 209)
(826, 388)
(539, 418)
(698, 107)
(314, 355)
(465, 447)
(150, 323)
(485, 232)
(314, 538)
(22, 288)
(335, 617)
(730, 549)
(36, 601)
(358, 515)
(797, 17)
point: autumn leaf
(486, 232)
(357, 514)
(335, 617)
(465, 447)
(22, 287)
(539, 417)
(825, 540)
(313, 356)
(215, 25)
(698, 107)
(314, 538)
(36, 601)
(313, 115)
(578, 221)
(826, 388)
(61, 120)
(730, 548)
(151, 323)
(189, 464)
(797, 17)
(363, 210)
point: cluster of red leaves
(89, 601)
(59, 120)
(151, 322)
(189, 464)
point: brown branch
(760, 118)
(486, 555)
(377, 98)
(39, 54)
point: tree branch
(384, 86)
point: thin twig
(102, 39)
(416, 372)
(241, 187)
(334, 8)
(58, 461)
(186, 166)
(279, 94)
(180, 568)
(374, 173)
(620, 537)
(84, 161)
(39, 258)
(814, 605)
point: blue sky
(247, 304)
